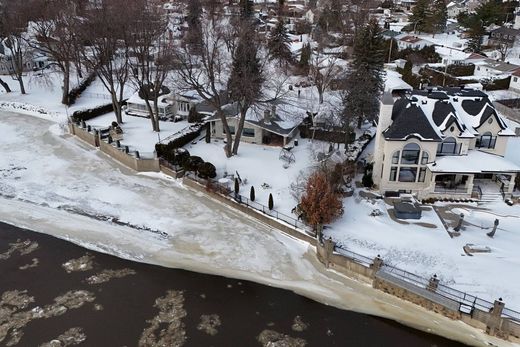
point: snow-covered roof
(394, 81)
(428, 114)
(475, 162)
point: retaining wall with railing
(479, 313)
(132, 159)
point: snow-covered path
(55, 184)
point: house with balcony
(443, 143)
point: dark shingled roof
(408, 122)
(441, 111)
(474, 107)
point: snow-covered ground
(137, 131)
(44, 91)
(53, 184)
(260, 166)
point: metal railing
(225, 190)
(439, 188)
(366, 261)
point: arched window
(486, 140)
(411, 154)
(448, 146)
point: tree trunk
(360, 121)
(240, 127)
(150, 113)
(156, 116)
(320, 93)
(117, 109)
(5, 86)
(20, 82)
(229, 138)
(66, 84)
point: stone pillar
(469, 184)
(459, 224)
(319, 232)
(329, 249)
(492, 232)
(493, 326)
(377, 263)
(433, 284)
(511, 186)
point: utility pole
(390, 50)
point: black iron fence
(225, 190)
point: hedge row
(181, 157)
(90, 113)
(75, 92)
(178, 142)
(335, 136)
(498, 84)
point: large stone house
(444, 143)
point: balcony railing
(444, 188)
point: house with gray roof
(275, 123)
(444, 143)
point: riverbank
(204, 310)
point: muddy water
(53, 293)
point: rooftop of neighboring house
(506, 31)
(428, 114)
(279, 117)
(498, 65)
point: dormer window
(448, 147)
(487, 140)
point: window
(410, 154)
(515, 79)
(231, 129)
(422, 174)
(393, 173)
(408, 165)
(407, 174)
(448, 147)
(424, 158)
(487, 140)
(395, 157)
(247, 132)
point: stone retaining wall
(89, 137)
(251, 212)
(141, 165)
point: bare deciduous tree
(152, 57)
(107, 29)
(323, 70)
(14, 18)
(55, 35)
(207, 73)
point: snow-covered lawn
(260, 165)
(137, 131)
(425, 247)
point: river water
(54, 293)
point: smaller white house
(412, 42)
(170, 105)
(515, 81)
(493, 69)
